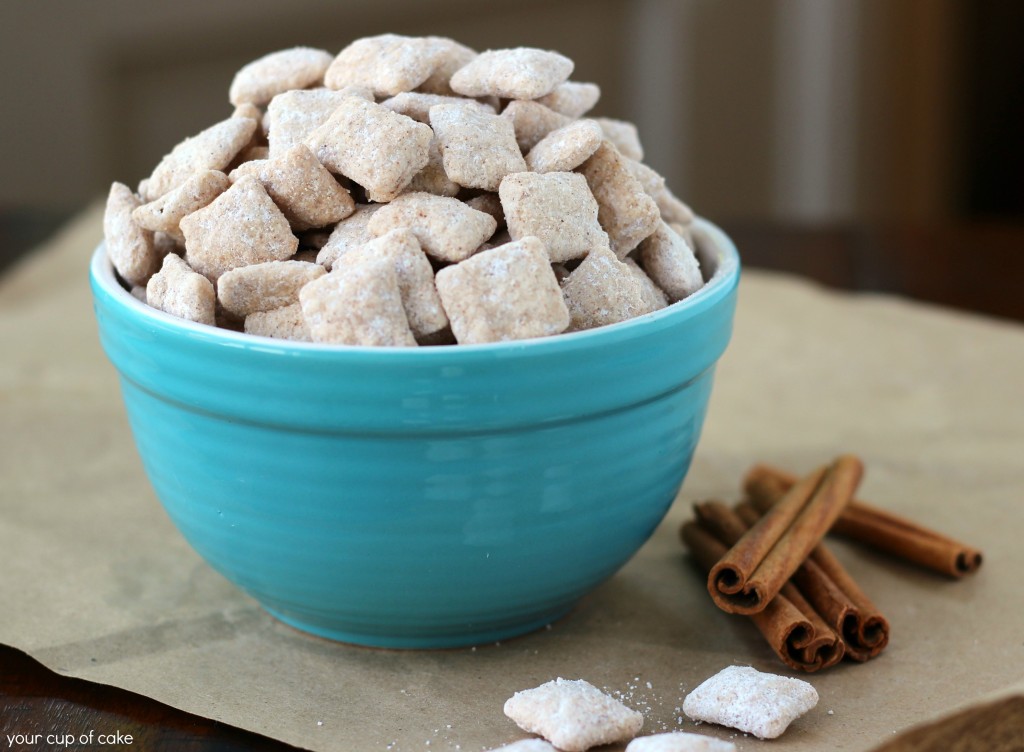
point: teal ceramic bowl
(419, 497)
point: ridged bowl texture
(418, 497)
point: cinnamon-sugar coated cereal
(408, 190)
(297, 68)
(556, 207)
(520, 73)
(505, 293)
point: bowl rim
(722, 281)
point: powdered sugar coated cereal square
(303, 189)
(446, 228)
(350, 233)
(449, 57)
(624, 135)
(746, 699)
(573, 715)
(527, 745)
(679, 741)
(505, 293)
(178, 290)
(478, 148)
(361, 305)
(416, 104)
(262, 287)
(670, 263)
(433, 178)
(129, 246)
(625, 211)
(654, 297)
(386, 64)
(294, 115)
(377, 148)
(262, 79)
(532, 121)
(415, 277)
(572, 98)
(566, 148)
(518, 73)
(164, 214)
(286, 322)
(241, 226)
(601, 291)
(210, 149)
(556, 207)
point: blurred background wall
(815, 110)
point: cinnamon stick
(793, 629)
(836, 597)
(874, 527)
(756, 568)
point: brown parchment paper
(95, 582)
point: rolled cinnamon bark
(755, 569)
(874, 527)
(836, 597)
(799, 637)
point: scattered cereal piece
(446, 228)
(478, 148)
(746, 699)
(526, 745)
(286, 322)
(377, 148)
(572, 98)
(624, 135)
(302, 188)
(532, 122)
(386, 64)
(166, 212)
(450, 56)
(556, 207)
(129, 246)
(670, 263)
(263, 79)
(433, 178)
(415, 278)
(488, 203)
(626, 213)
(679, 741)
(265, 286)
(654, 297)
(417, 104)
(573, 715)
(566, 148)
(505, 293)
(348, 234)
(602, 290)
(519, 73)
(178, 290)
(361, 306)
(293, 116)
(251, 153)
(241, 226)
(211, 149)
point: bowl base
(460, 639)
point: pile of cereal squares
(408, 191)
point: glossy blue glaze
(420, 497)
